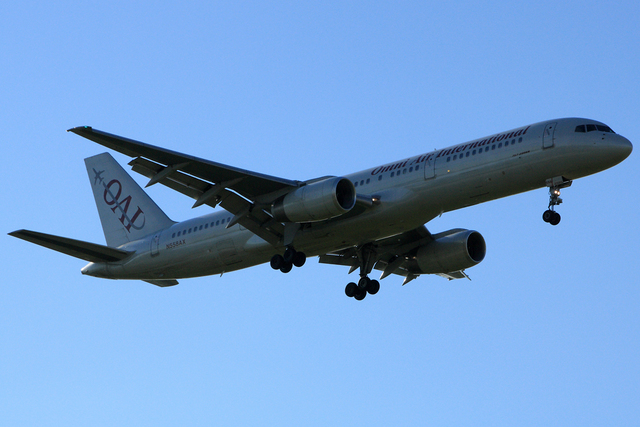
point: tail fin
(127, 213)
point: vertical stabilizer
(127, 213)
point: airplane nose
(622, 147)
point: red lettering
(135, 216)
(107, 190)
(124, 210)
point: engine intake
(316, 201)
(453, 252)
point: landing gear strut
(367, 258)
(290, 258)
(555, 184)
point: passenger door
(155, 245)
(430, 166)
(548, 136)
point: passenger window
(455, 156)
(218, 222)
(179, 232)
(368, 180)
(449, 159)
(404, 171)
(500, 145)
(474, 152)
(493, 147)
(520, 139)
(513, 142)
(392, 174)
(173, 235)
(380, 178)
(417, 167)
(468, 153)
(355, 184)
(206, 225)
(411, 168)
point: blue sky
(546, 333)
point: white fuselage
(408, 193)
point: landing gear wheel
(360, 294)
(552, 217)
(299, 258)
(373, 287)
(286, 267)
(277, 261)
(363, 283)
(289, 254)
(351, 289)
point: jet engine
(453, 252)
(316, 201)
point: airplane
(372, 219)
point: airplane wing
(249, 184)
(393, 255)
(76, 248)
(247, 195)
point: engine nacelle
(316, 201)
(453, 252)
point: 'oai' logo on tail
(111, 199)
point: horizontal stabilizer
(76, 248)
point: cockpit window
(602, 128)
(591, 128)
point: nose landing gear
(555, 184)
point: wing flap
(76, 248)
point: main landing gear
(555, 184)
(290, 258)
(365, 286)
(367, 259)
